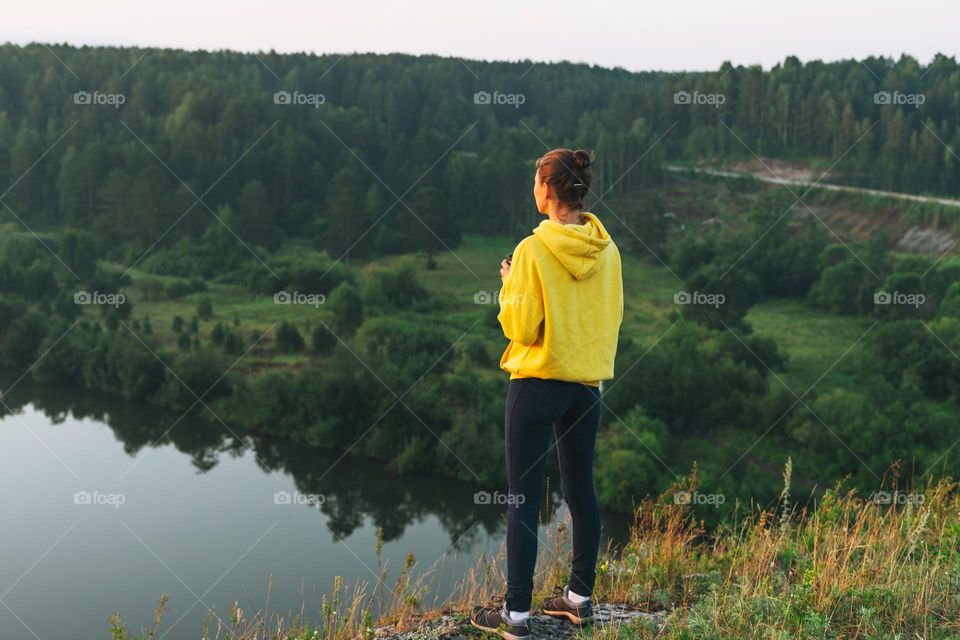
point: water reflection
(354, 489)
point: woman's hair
(568, 172)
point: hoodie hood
(576, 246)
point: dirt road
(774, 178)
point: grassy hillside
(812, 339)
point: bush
(696, 381)
(306, 273)
(950, 305)
(107, 281)
(322, 340)
(846, 288)
(205, 308)
(179, 287)
(477, 353)
(232, 343)
(23, 339)
(905, 295)
(288, 338)
(398, 288)
(735, 292)
(347, 309)
(198, 374)
(40, 282)
(628, 466)
(412, 348)
(10, 310)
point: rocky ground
(457, 627)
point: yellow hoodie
(562, 302)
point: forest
(196, 187)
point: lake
(108, 504)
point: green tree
(79, 252)
(347, 306)
(431, 222)
(289, 338)
(846, 288)
(345, 232)
(322, 339)
(629, 464)
(256, 223)
(217, 334)
(204, 308)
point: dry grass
(845, 568)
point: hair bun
(583, 158)
(568, 172)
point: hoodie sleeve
(521, 299)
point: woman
(561, 304)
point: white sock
(575, 598)
(518, 616)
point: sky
(670, 35)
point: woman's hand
(504, 268)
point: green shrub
(288, 338)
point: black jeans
(572, 411)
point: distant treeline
(322, 147)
